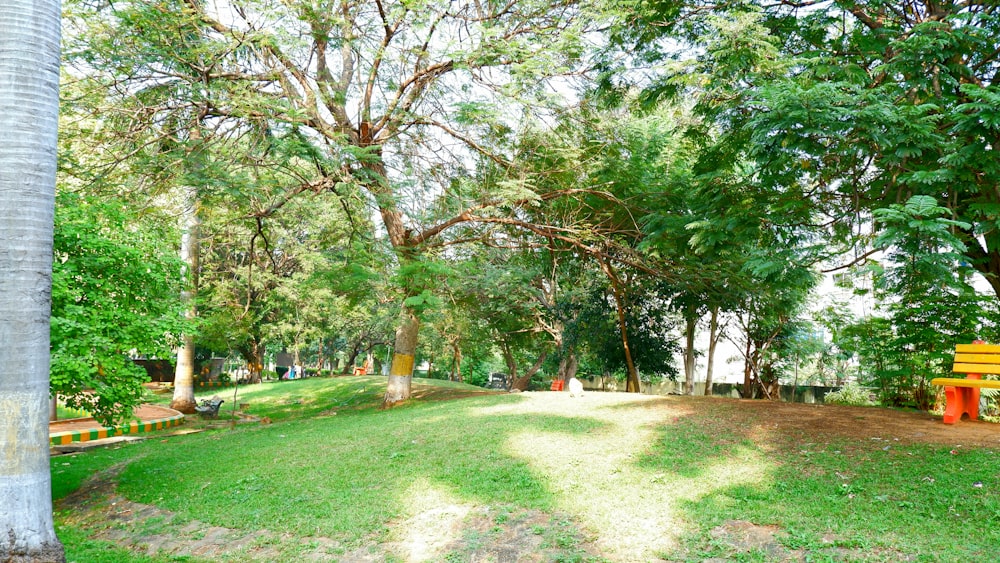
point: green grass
(80, 548)
(873, 500)
(333, 466)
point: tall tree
(396, 98)
(929, 302)
(183, 399)
(885, 101)
(29, 108)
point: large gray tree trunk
(29, 109)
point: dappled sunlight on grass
(599, 477)
(543, 477)
(434, 518)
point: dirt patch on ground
(425, 392)
(861, 423)
(638, 522)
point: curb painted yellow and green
(70, 436)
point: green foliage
(651, 328)
(115, 293)
(851, 394)
(476, 371)
(929, 303)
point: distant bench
(962, 395)
(209, 408)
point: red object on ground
(961, 400)
(557, 385)
(363, 370)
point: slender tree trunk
(747, 372)
(571, 366)
(568, 366)
(407, 333)
(713, 339)
(508, 358)
(522, 383)
(691, 324)
(632, 380)
(29, 110)
(183, 399)
(632, 384)
(456, 359)
(256, 361)
(401, 369)
(349, 365)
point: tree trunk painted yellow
(401, 370)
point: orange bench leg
(959, 401)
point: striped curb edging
(67, 437)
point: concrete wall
(803, 394)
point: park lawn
(629, 479)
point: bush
(851, 394)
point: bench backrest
(977, 358)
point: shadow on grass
(839, 499)
(342, 476)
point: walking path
(151, 417)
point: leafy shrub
(851, 394)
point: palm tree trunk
(29, 113)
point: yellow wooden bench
(962, 395)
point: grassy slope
(333, 466)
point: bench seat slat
(976, 368)
(978, 348)
(959, 382)
(968, 358)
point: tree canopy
(510, 177)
